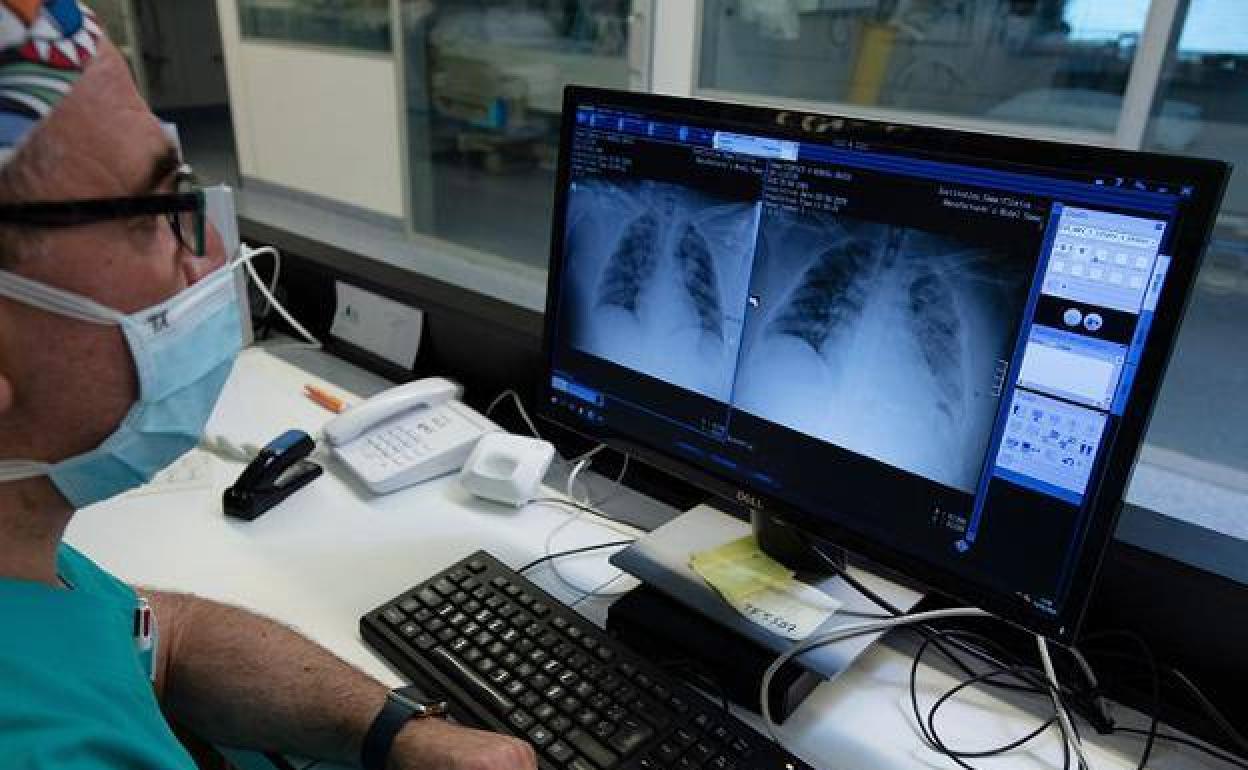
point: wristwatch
(402, 705)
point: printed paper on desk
(762, 590)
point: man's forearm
(237, 679)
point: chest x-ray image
(657, 276)
(885, 340)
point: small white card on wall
(378, 324)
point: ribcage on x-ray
(831, 295)
(694, 257)
(829, 303)
(631, 264)
(938, 330)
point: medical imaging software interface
(823, 321)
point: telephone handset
(407, 434)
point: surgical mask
(183, 350)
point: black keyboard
(511, 658)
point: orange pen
(330, 402)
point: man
(90, 404)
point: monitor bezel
(1209, 178)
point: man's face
(66, 384)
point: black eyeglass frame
(54, 214)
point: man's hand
(435, 744)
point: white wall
(315, 120)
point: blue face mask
(183, 350)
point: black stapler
(278, 471)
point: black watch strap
(401, 705)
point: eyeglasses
(184, 210)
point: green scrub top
(75, 691)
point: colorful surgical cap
(44, 47)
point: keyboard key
(667, 753)
(701, 752)
(411, 605)
(444, 587)
(430, 597)
(630, 736)
(394, 616)
(590, 747)
(602, 729)
(560, 752)
(585, 717)
(539, 736)
(409, 629)
(476, 566)
(581, 763)
(424, 642)
(521, 720)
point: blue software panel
(1103, 258)
(1077, 368)
(1049, 444)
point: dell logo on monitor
(754, 501)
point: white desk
(332, 552)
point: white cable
(1063, 719)
(581, 463)
(548, 550)
(248, 255)
(524, 415)
(576, 471)
(226, 448)
(223, 446)
(841, 634)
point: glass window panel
(1202, 109)
(485, 85)
(360, 24)
(1056, 62)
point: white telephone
(407, 434)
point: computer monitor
(935, 349)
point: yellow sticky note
(762, 589)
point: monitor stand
(661, 561)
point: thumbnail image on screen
(886, 340)
(657, 279)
